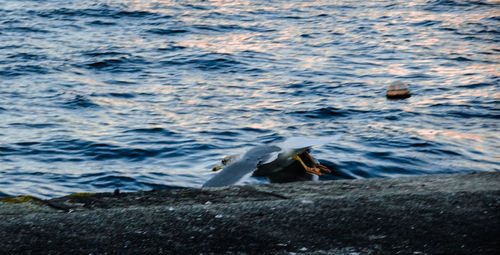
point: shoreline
(451, 213)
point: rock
(398, 90)
(432, 214)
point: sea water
(139, 95)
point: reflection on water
(98, 95)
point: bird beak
(216, 168)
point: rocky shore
(436, 214)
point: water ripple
(98, 95)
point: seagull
(276, 161)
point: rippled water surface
(98, 95)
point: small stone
(398, 90)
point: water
(139, 95)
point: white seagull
(276, 161)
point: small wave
(4, 195)
(212, 64)
(356, 169)
(327, 112)
(161, 31)
(116, 95)
(206, 27)
(299, 85)
(426, 23)
(114, 181)
(6, 150)
(27, 56)
(253, 130)
(122, 95)
(387, 156)
(80, 101)
(105, 63)
(122, 82)
(100, 23)
(199, 147)
(99, 53)
(79, 150)
(33, 125)
(475, 85)
(231, 28)
(222, 135)
(103, 11)
(157, 130)
(208, 62)
(421, 144)
(444, 152)
(111, 152)
(121, 64)
(469, 114)
(25, 30)
(27, 143)
(462, 59)
(20, 70)
(447, 5)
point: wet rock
(398, 90)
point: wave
(119, 64)
(22, 70)
(328, 112)
(79, 101)
(100, 11)
(208, 62)
(80, 150)
(162, 31)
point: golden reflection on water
(430, 134)
(397, 69)
(226, 6)
(472, 68)
(228, 44)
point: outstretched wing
(232, 173)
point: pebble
(398, 90)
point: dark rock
(437, 214)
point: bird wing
(232, 173)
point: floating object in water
(398, 90)
(273, 160)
